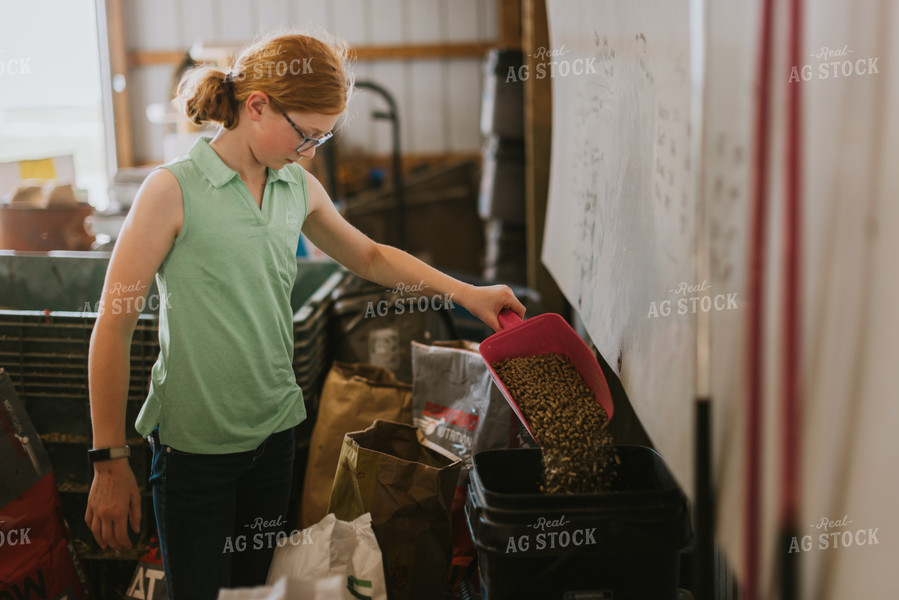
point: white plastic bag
(331, 588)
(334, 547)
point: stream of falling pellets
(578, 452)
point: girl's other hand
(113, 504)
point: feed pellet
(578, 452)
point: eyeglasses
(308, 142)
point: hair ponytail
(297, 71)
(206, 95)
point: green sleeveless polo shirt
(224, 379)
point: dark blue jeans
(219, 515)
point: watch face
(101, 454)
(98, 454)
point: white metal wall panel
(350, 22)
(147, 86)
(487, 21)
(463, 104)
(423, 21)
(425, 117)
(152, 25)
(198, 21)
(461, 20)
(273, 14)
(318, 14)
(439, 100)
(236, 20)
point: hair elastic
(229, 79)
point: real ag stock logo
(557, 67)
(834, 534)
(269, 535)
(834, 63)
(691, 299)
(400, 303)
(122, 300)
(14, 536)
(13, 66)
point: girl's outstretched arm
(389, 266)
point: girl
(219, 229)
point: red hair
(298, 72)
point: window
(51, 98)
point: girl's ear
(257, 102)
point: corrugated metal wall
(439, 100)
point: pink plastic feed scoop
(538, 335)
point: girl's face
(278, 136)
(302, 130)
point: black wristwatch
(101, 454)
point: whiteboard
(621, 218)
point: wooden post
(538, 142)
(118, 68)
(509, 24)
